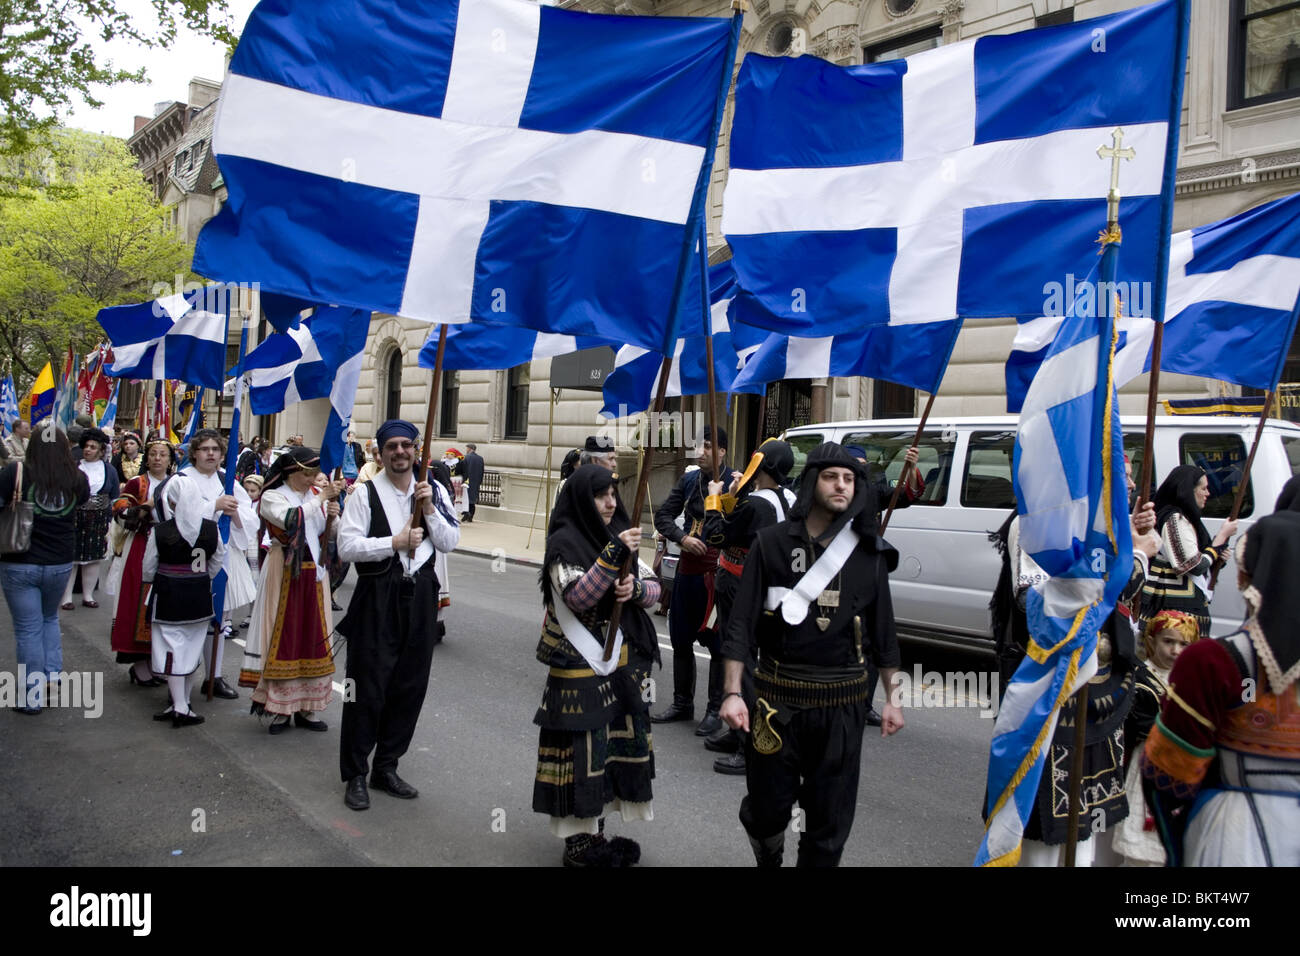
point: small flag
(8, 402)
(40, 400)
(108, 419)
(177, 337)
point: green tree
(102, 240)
(47, 62)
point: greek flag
(109, 418)
(176, 337)
(913, 355)
(631, 387)
(8, 403)
(477, 346)
(954, 183)
(1071, 494)
(470, 159)
(1232, 300)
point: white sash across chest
(592, 650)
(796, 601)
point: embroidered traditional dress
(131, 624)
(1179, 579)
(288, 659)
(180, 602)
(94, 516)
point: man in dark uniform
(472, 470)
(814, 601)
(691, 589)
(391, 624)
(756, 500)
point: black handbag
(16, 520)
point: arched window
(393, 393)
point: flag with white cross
(956, 183)
(449, 160)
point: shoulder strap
(18, 485)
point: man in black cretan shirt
(814, 604)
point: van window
(1223, 458)
(1133, 442)
(801, 445)
(1292, 447)
(885, 450)
(987, 483)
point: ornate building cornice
(1278, 167)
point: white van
(947, 568)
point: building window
(517, 402)
(1055, 19)
(1264, 52)
(899, 7)
(449, 404)
(899, 47)
(892, 401)
(393, 392)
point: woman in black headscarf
(1179, 578)
(594, 752)
(1289, 499)
(1235, 754)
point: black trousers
(388, 672)
(818, 765)
(686, 614)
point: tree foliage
(102, 239)
(47, 62)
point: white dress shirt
(354, 544)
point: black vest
(183, 597)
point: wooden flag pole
(907, 466)
(1245, 479)
(426, 450)
(638, 502)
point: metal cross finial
(1116, 152)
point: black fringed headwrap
(861, 512)
(577, 535)
(299, 458)
(1178, 493)
(293, 537)
(1289, 499)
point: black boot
(712, 722)
(769, 852)
(683, 705)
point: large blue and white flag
(912, 355)
(955, 183)
(302, 364)
(1233, 296)
(8, 403)
(1072, 498)
(476, 346)
(631, 387)
(496, 160)
(177, 337)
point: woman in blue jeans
(33, 580)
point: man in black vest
(391, 623)
(814, 603)
(472, 470)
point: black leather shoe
(873, 718)
(357, 797)
(389, 782)
(186, 720)
(710, 725)
(278, 726)
(731, 764)
(724, 741)
(673, 712)
(164, 715)
(317, 725)
(219, 689)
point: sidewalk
(485, 539)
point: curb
(510, 558)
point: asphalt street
(120, 789)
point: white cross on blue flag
(177, 337)
(476, 346)
(952, 184)
(448, 160)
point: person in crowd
(372, 467)
(250, 459)
(1222, 763)
(16, 442)
(1180, 573)
(391, 622)
(129, 461)
(354, 459)
(472, 469)
(599, 450)
(184, 554)
(33, 579)
(207, 449)
(813, 603)
(438, 472)
(1170, 633)
(1289, 498)
(756, 500)
(93, 517)
(692, 589)
(133, 511)
(288, 659)
(594, 751)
